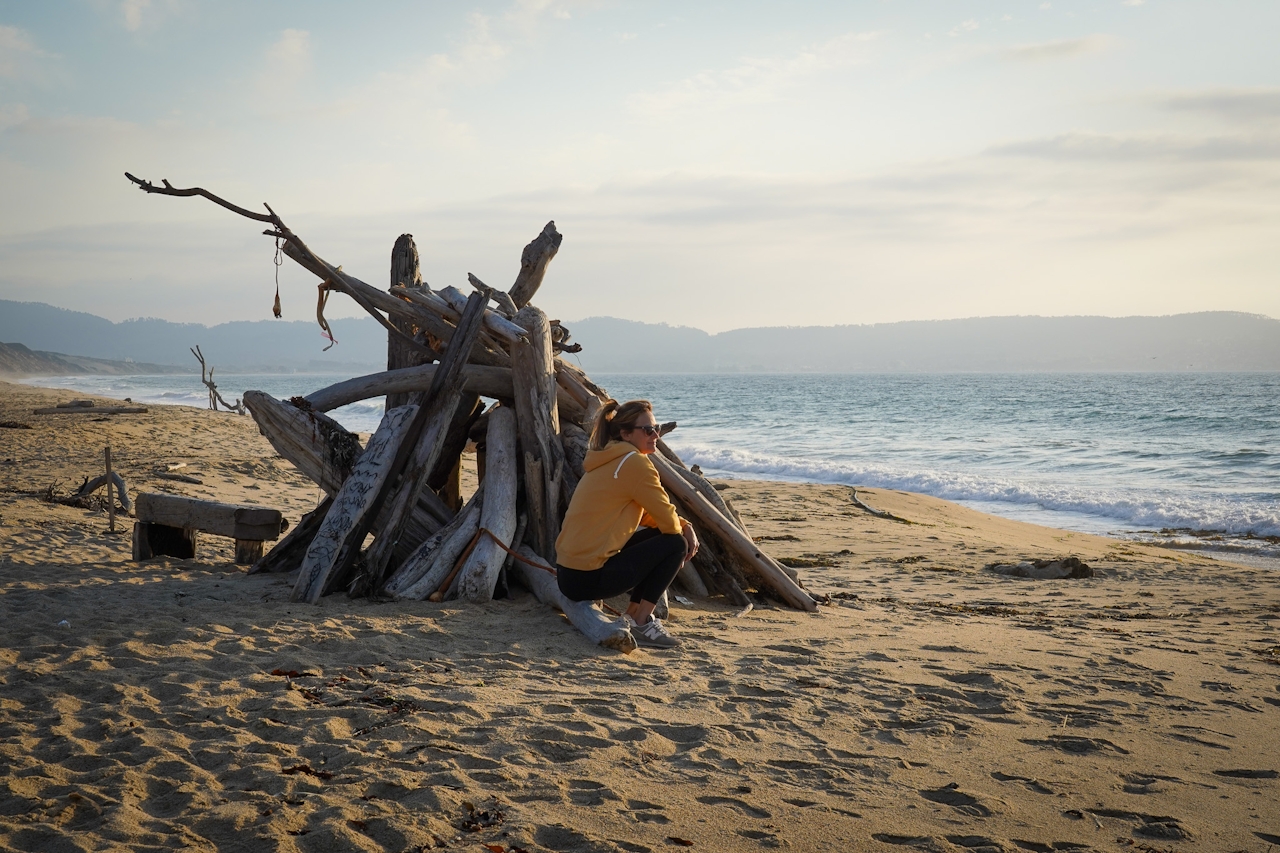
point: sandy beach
(931, 704)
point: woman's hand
(691, 544)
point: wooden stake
(111, 498)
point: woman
(621, 532)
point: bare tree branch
(169, 189)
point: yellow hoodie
(619, 492)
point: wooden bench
(167, 525)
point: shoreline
(932, 704)
(1258, 551)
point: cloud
(1105, 147)
(132, 10)
(17, 52)
(754, 80)
(964, 27)
(1133, 2)
(289, 58)
(1059, 48)
(13, 116)
(1241, 105)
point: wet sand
(931, 705)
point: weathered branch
(533, 264)
(169, 189)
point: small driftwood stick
(180, 478)
(501, 299)
(498, 325)
(597, 627)
(214, 397)
(534, 382)
(533, 264)
(878, 513)
(122, 494)
(480, 572)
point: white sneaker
(651, 633)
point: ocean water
(1186, 460)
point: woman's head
(632, 422)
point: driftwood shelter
(446, 351)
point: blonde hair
(614, 418)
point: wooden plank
(220, 519)
(351, 504)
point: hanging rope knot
(279, 259)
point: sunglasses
(648, 430)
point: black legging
(646, 565)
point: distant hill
(245, 346)
(1208, 341)
(17, 360)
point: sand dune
(932, 705)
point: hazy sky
(716, 165)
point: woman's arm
(691, 544)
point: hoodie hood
(612, 451)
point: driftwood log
(533, 264)
(421, 575)
(540, 579)
(487, 381)
(405, 272)
(121, 492)
(352, 503)
(289, 552)
(534, 383)
(479, 574)
(734, 538)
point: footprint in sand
(949, 795)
